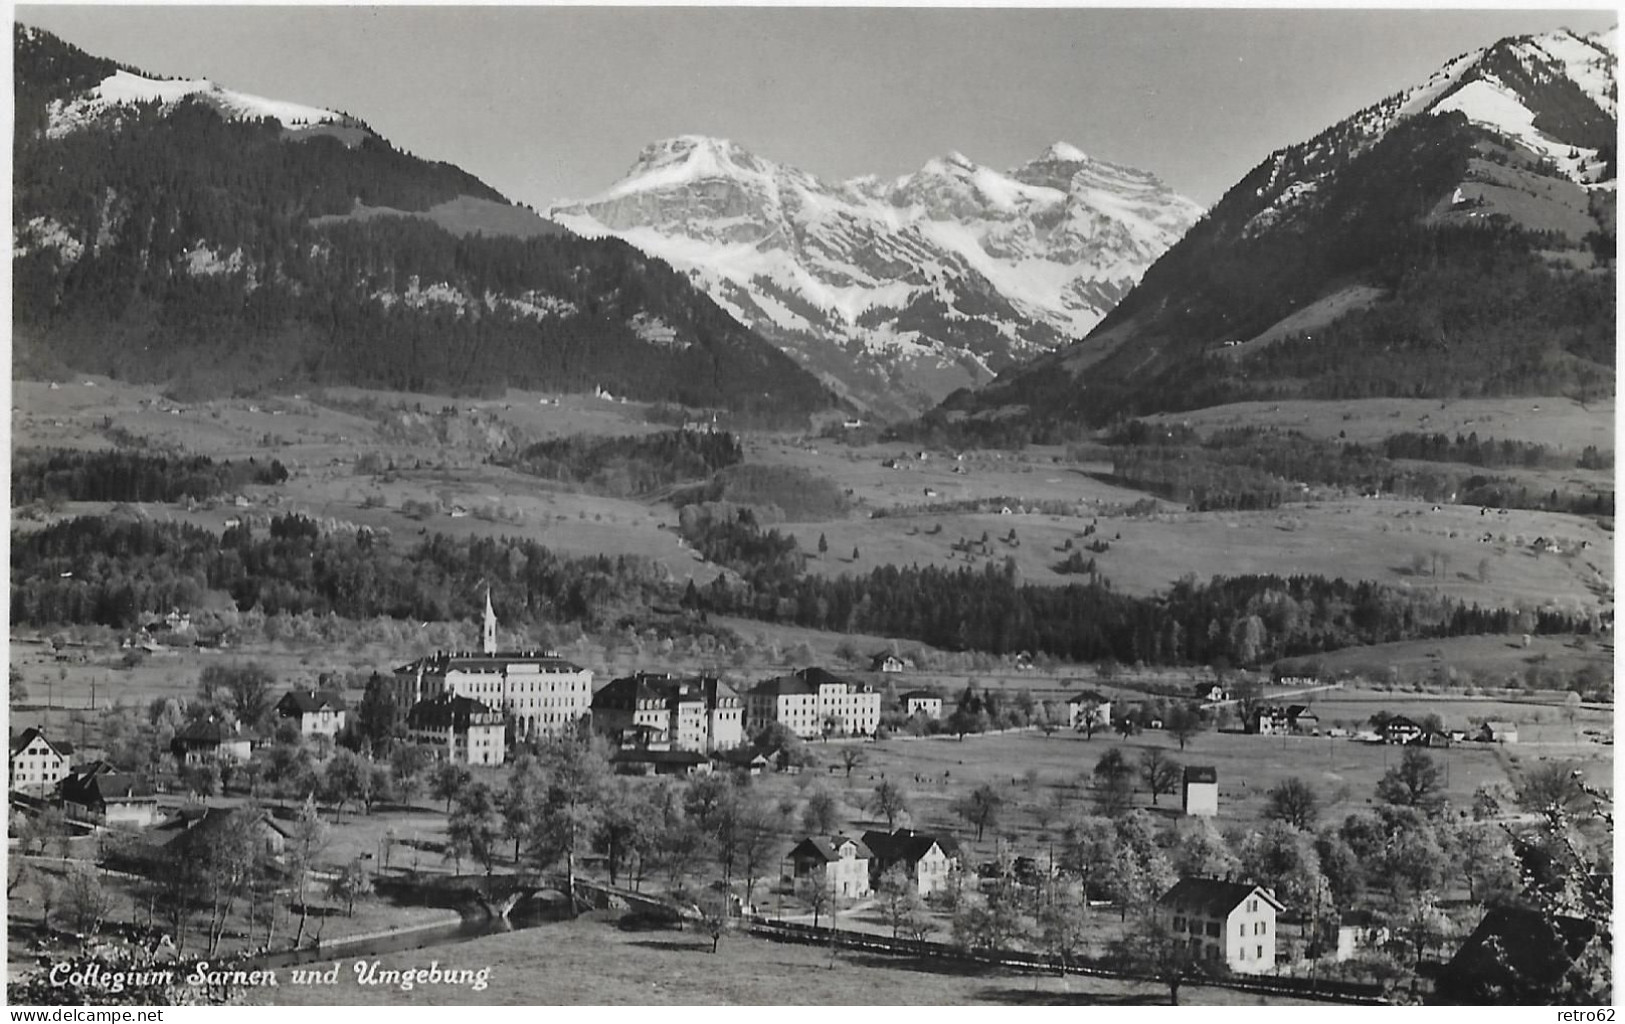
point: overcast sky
(548, 103)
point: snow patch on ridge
(1488, 102)
(122, 89)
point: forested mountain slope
(176, 230)
(1456, 239)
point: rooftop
(828, 848)
(658, 686)
(1212, 897)
(441, 662)
(447, 711)
(21, 741)
(907, 844)
(306, 702)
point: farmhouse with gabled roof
(1233, 922)
(37, 763)
(317, 712)
(838, 864)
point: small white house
(887, 662)
(1498, 732)
(1200, 793)
(317, 712)
(921, 702)
(1357, 931)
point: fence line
(786, 931)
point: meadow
(588, 963)
(413, 464)
(1560, 423)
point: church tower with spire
(490, 625)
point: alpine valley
(741, 587)
(896, 290)
(1456, 239)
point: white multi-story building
(38, 764)
(459, 729)
(1233, 922)
(813, 703)
(540, 693)
(838, 864)
(661, 711)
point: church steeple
(490, 624)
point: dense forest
(781, 493)
(131, 476)
(1490, 452)
(1264, 467)
(114, 572)
(110, 571)
(634, 464)
(1244, 620)
(177, 244)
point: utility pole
(834, 909)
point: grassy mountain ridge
(168, 242)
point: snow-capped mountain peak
(1552, 94)
(1064, 152)
(688, 158)
(931, 280)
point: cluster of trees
(131, 476)
(112, 571)
(1194, 477)
(1397, 860)
(1264, 467)
(780, 493)
(1245, 620)
(633, 464)
(563, 802)
(1487, 452)
(979, 710)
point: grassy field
(586, 963)
(439, 460)
(1558, 423)
(1344, 773)
(1488, 660)
(1375, 540)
